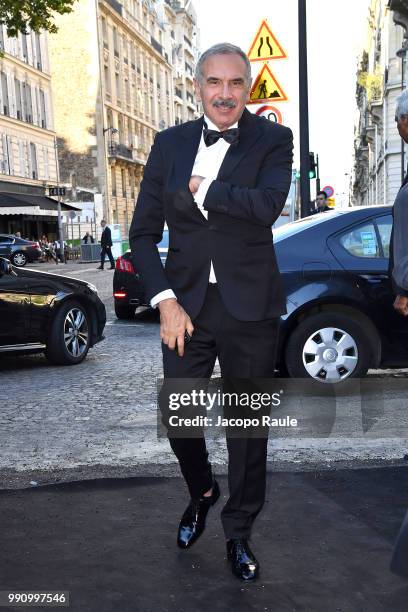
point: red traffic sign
(270, 112)
(329, 190)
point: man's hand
(401, 305)
(194, 183)
(174, 321)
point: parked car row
(340, 318)
(42, 312)
(18, 250)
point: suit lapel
(249, 133)
(189, 147)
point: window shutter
(11, 95)
(21, 155)
(34, 104)
(10, 153)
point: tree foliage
(24, 15)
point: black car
(340, 318)
(18, 250)
(42, 312)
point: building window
(4, 89)
(125, 49)
(22, 157)
(33, 158)
(25, 49)
(113, 180)
(38, 51)
(1, 38)
(127, 91)
(106, 74)
(42, 109)
(27, 103)
(118, 87)
(132, 184)
(105, 33)
(115, 42)
(19, 103)
(123, 176)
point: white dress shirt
(207, 164)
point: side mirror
(5, 266)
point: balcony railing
(156, 45)
(120, 150)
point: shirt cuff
(201, 192)
(163, 295)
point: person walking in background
(321, 203)
(88, 238)
(106, 246)
(58, 251)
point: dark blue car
(340, 318)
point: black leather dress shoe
(192, 522)
(243, 562)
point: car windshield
(290, 229)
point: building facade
(181, 44)
(114, 86)
(28, 163)
(380, 155)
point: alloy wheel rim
(20, 259)
(76, 333)
(330, 355)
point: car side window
(361, 241)
(4, 239)
(384, 225)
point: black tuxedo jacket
(242, 203)
(106, 237)
(397, 290)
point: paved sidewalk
(324, 540)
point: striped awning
(27, 204)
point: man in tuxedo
(399, 234)
(106, 246)
(219, 182)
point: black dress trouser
(106, 250)
(245, 349)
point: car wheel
(19, 259)
(328, 348)
(124, 311)
(69, 339)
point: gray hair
(402, 105)
(222, 49)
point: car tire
(19, 259)
(328, 347)
(124, 311)
(70, 335)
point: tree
(24, 15)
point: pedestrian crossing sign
(266, 87)
(265, 46)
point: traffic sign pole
(317, 175)
(303, 113)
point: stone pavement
(324, 541)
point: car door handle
(375, 277)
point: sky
(336, 36)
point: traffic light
(312, 166)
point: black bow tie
(212, 136)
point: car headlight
(92, 288)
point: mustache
(224, 103)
